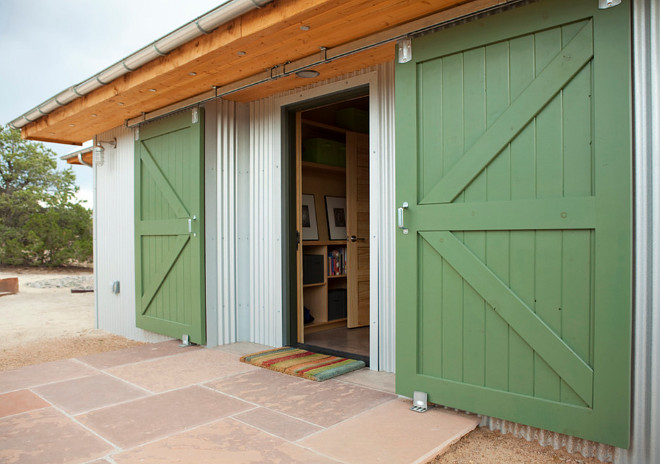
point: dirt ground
(483, 446)
(46, 322)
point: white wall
(114, 239)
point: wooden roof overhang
(261, 41)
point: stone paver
(80, 395)
(47, 436)
(162, 404)
(41, 374)
(321, 403)
(392, 433)
(283, 426)
(181, 370)
(225, 441)
(147, 419)
(20, 401)
(136, 354)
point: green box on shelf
(324, 151)
(353, 119)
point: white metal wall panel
(115, 242)
(264, 206)
(211, 222)
(383, 181)
(226, 226)
(645, 443)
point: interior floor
(342, 339)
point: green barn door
(514, 276)
(169, 226)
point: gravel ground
(81, 282)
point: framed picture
(335, 208)
(310, 230)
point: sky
(47, 46)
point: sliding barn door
(169, 226)
(514, 276)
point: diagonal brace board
(162, 183)
(159, 278)
(568, 62)
(520, 317)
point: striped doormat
(302, 363)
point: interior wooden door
(357, 228)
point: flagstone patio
(163, 403)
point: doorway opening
(331, 159)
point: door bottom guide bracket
(185, 341)
(420, 402)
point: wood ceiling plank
(269, 36)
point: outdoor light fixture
(307, 73)
(603, 4)
(98, 157)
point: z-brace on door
(514, 276)
(169, 226)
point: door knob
(353, 238)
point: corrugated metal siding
(645, 443)
(383, 181)
(226, 226)
(556, 440)
(263, 205)
(115, 243)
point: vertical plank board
(523, 186)
(577, 130)
(497, 81)
(452, 323)
(549, 144)
(549, 184)
(576, 299)
(546, 46)
(497, 188)
(474, 307)
(548, 304)
(451, 129)
(430, 309)
(474, 114)
(429, 125)
(521, 64)
(521, 355)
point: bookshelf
(341, 279)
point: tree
(41, 222)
